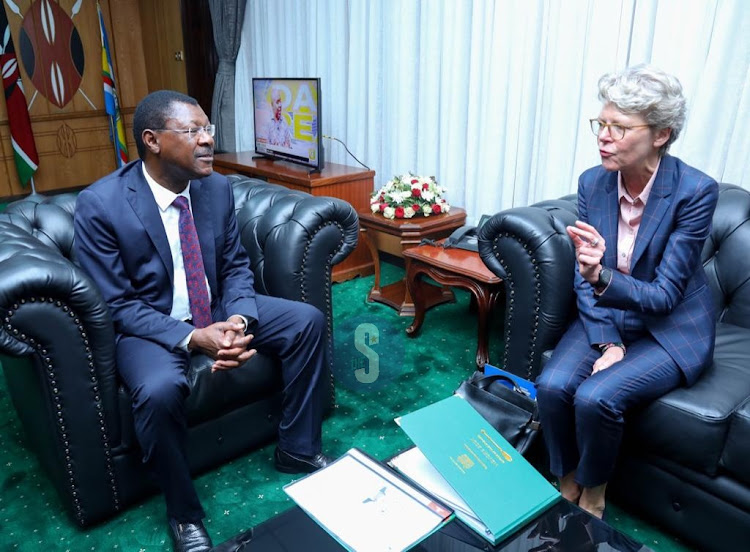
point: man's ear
(151, 141)
(662, 135)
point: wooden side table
(395, 236)
(453, 267)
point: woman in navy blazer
(646, 321)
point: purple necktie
(200, 304)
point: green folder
(494, 479)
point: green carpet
(411, 373)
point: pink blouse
(631, 213)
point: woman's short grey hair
(650, 92)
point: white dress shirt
(170, 217)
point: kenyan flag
(24, 150)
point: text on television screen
(287, 118)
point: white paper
(365, 506)
(415, 465)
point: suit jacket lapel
(200, 201)
(142, 201)
(658, 202)
(611, 213)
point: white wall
(494, 97)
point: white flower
(408, 195)
(400, 197)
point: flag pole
(111, 105)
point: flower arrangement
(408, 195)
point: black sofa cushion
(737, 448)
(689, 425)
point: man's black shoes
(190, 537)
(286, 462)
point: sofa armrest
(529, 249)
(293, 239)
(57, 347)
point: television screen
(287, 120)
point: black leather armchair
(57, 343)
(684, 460)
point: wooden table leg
(415, 288)
(484, 306)
(485, 295)
(397, 294)
(486, 302)
(375, 291)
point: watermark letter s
(361, 335)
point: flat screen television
(287, 120)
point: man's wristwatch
(605, 277)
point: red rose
(425, 186)
(416, 208)
(399, 212)
(416, 192)
(382, 207)
(414, 181)
(436, 209)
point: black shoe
(190, 537)
(293, 463)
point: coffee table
(562, 528)
(453, 267)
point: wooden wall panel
(163, 44)
(73, 140)
(126, 43)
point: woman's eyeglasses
(616, 131)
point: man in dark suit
(160, 238)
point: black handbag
(510, 410)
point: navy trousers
(156, 378)
(582, 415)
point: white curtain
(493, 97)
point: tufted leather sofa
(57, 343)
(684, 462)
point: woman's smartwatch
(605, 277)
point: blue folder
(529, 386)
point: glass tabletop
(562, 528)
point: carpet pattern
(400, 375)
